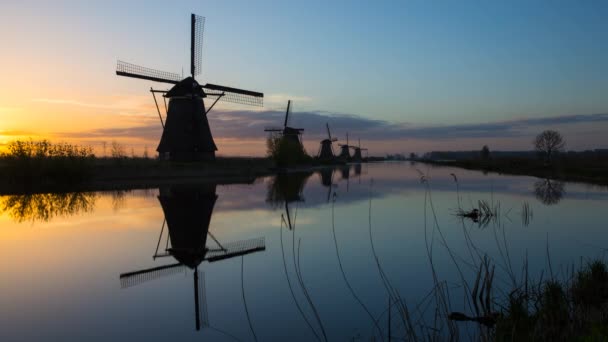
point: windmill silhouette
(326, 151)
(186, 132)
(287, 133)
(188, 211)
(344, 151)
(357, 154)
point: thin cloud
(250, 125)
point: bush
(285, 152)
(34, 162)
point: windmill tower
(357, 154)
(345, 150)
(186, 132)
(188, 213)
(326, 151)
(287, 133)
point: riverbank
(123, 173)
(584, 170)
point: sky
(403, 76)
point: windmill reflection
(327, 180)
(549, 191)
(286, 188)
(188, 210)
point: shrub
(34, 162)
(285, 152)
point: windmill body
(187, 135)
(357, 157)
(326, 151)
(186, 132)
(345, 151)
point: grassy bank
(566, 168)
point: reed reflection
(44, 207)
(188, 211)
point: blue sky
(411, 62)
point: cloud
(75, 103)
(240, 124)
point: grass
(581, 168)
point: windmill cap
(187, 86)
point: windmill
(344, 150)
(188, 212)
(357, 154)
(287, 133)
(186, 132)
(326, 151)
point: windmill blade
(334, 139)
(287, 113)
(197, 29)
(235, 95)
(137, 277)
(328, 132)
(136, 71)
(203, 301)
(237, 248)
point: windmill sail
(197, 30)
(137, 71)
(237, 248)
(137, 277)
(235, 95)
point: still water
(320, 255)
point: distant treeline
(468, 155)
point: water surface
(304, 256)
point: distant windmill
(288, 133)
(357, 154)
(188, 212)
(326, 151)
(186, 132)
(344, 150)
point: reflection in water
(549, 191)
(286, 188)
(188, 211)
(327, 180)
(43, 207)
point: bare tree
(118, 151)
(549, 143)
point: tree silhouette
(485, 152)
(548, 143)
